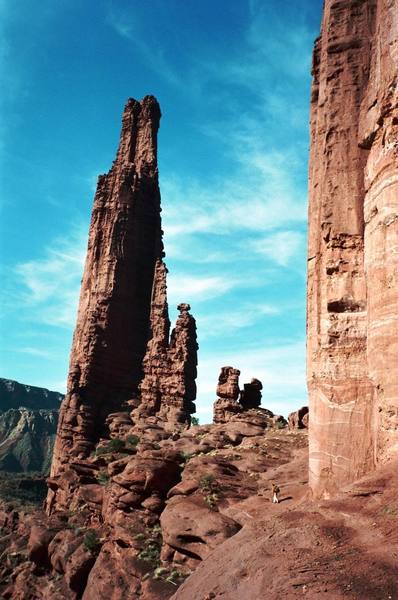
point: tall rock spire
(353, 241)
(113, 322)
(168, 389)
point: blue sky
(232, 78)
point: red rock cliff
(353, 243)
(112, 329)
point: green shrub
(280, 425)
(206, 482)
(194, 421)
(186, 456)
(212, 500)
(151, 554)
(132, 439)
(91, 541)
(103, 478)
(114, 445)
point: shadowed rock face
(353, 241)
(112, 329)
(16, 395)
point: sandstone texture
(336, 549)
(353, 243)
(168, 388)
(136, 518)
(128, 377)
(113, 322)
(299, 419)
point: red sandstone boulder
(193, 529)
(250, 396)
(39, 540)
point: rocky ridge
(27, 440)
(28, 423)
(17, 395)
(140, 514)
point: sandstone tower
(352, 363)
(113, 323)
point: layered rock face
(27, 439)
(353, 243)
(113, 322)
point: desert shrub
(151, 553)
(390, 510)
(186, 456)
(132, 439)
(159, 572)
(194, 421)
(103, 478)
(155, 531)
(212, 500)
(207, 482)
(280, 425)
(114, 445)
(91, 541)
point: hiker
(275, 492)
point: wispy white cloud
(260, 198)
(130, 29)
(51, 283)
(186, 288)
(32, 351)
(215, 325)
(280, 247)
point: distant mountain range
(16, 395)
(28, 424)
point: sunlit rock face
(352, 363)
(168, 389)
(113, 323)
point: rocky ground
(345, 548)
(188, 515)
(144, 511)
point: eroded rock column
(125, 240)
(168, 389)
